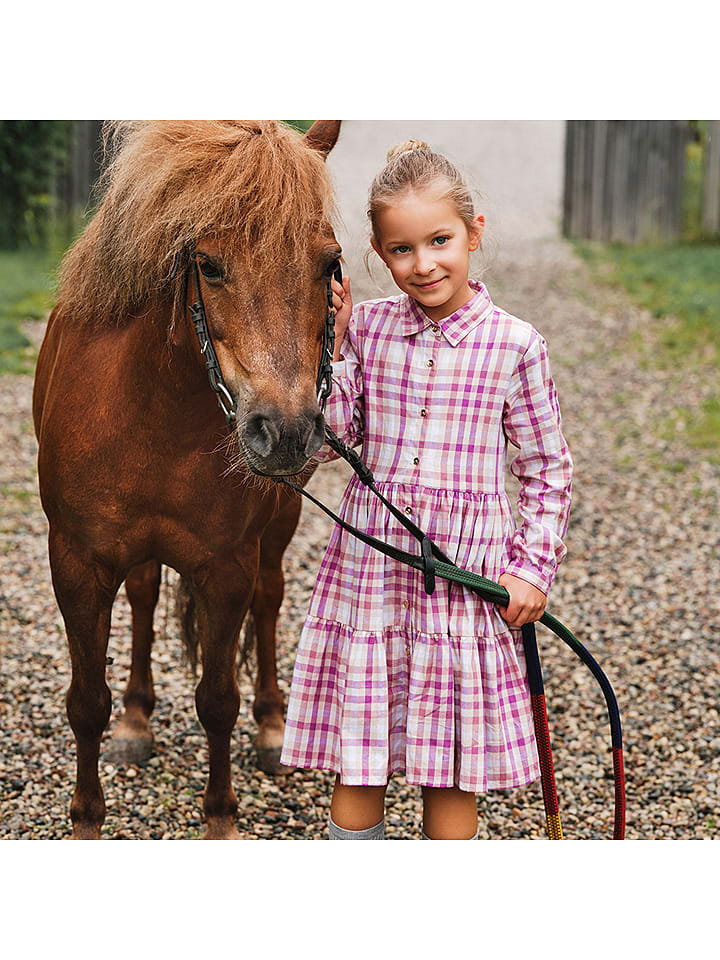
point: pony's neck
(172, 354)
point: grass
(680, 285)
(26, 293)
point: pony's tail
(186, 614)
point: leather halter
(226, 400)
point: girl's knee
(357, 807)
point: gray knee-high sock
(372, 833)
(426, 837)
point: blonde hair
(412, 165)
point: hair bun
(405, 147)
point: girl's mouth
(431, 285)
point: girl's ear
(376, 247)
(476, 231)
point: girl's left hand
(527, 603)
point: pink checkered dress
(386, 677)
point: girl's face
(426, 245)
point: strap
(366, 476)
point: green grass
(26, 293)
(680, 285)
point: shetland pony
(137, 465)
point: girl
(432, 383)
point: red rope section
(619, 772)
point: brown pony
(137, 466)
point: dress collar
(455, 327)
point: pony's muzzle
(284, 445)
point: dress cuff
(542, 579)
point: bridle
(227, 402)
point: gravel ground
(639, 587)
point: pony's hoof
(221, 828)
(268, 760)
(129, 749)
(85, 831)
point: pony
(137, 467)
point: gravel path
(640, 588)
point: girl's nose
(424, 264)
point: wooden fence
(711, 181)
(624, 180)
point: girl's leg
(449, 814)
(357, 808)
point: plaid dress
(386, 677)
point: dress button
(423, 412)
(435, 328)
(416, 460)
(405, 604)
(408, 509)
(430, 363)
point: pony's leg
(85, 592)
(217, 697)
(268, 706)
(132, 740)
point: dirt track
(640, 587)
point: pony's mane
(253, 185)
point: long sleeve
(345, 408)
(543, 466)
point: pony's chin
(261, 471)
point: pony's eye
(210, 271)
(331, 268)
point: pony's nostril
(262, 435)
(315, 436)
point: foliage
(26, 293)
(302, 125)
(32, 153)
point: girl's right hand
(342, 304)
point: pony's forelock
(254, 187)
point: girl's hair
(412, 165)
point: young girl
(432, 383)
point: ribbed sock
(426, 837)
(372, 833)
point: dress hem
(367, 782)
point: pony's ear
(323, 135)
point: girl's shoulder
(515, 333)
(369, 313)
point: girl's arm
(345, 409)
(544, 468)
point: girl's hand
(342, 304)
(527, 603)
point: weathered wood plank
(711, 181)
(624, 180)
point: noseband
(227, 402)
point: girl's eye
(210, 271)
(440, 241)
(401, 249)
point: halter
(226, 400)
